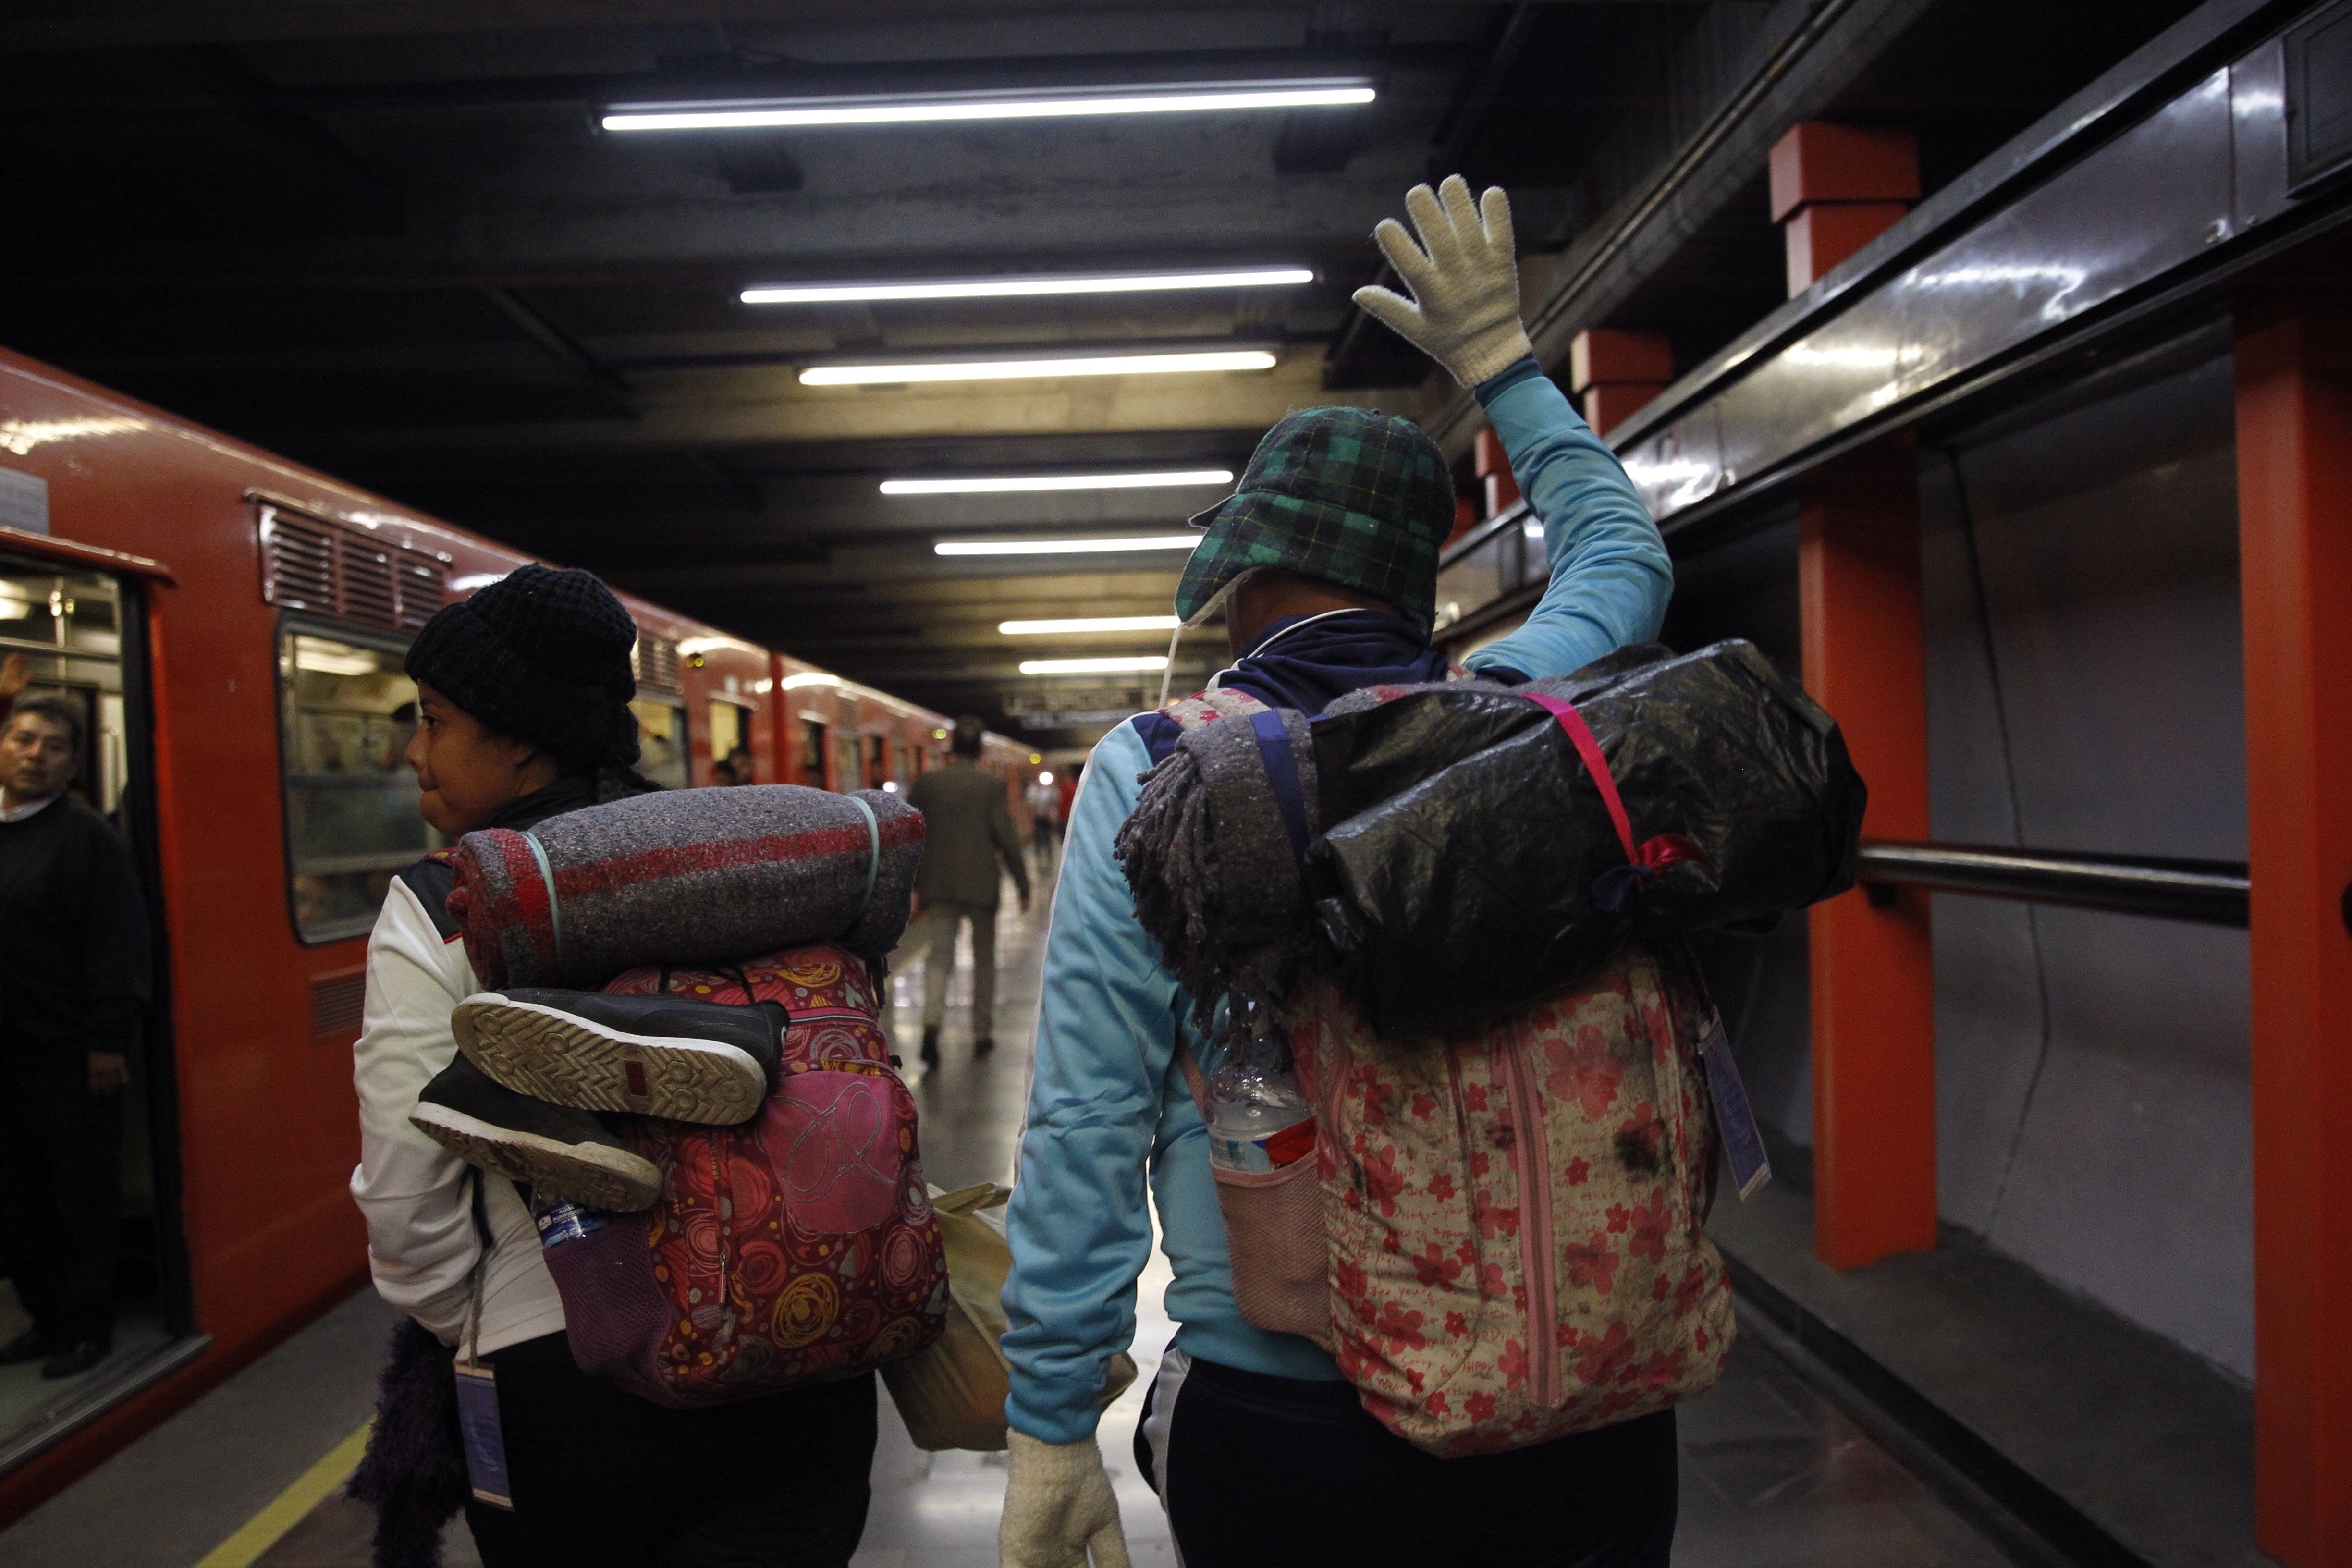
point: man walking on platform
(74, 980)
(968, 834)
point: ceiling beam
(118, 23)
(713, 411)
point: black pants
(61, 1196)
(600, 1477)
(1288, 1474)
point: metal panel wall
(2085, 693)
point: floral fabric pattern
(1515, 1215)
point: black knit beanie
(543, 655)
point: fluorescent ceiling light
(1152, 665)
(1010, 484)
(1016, 369)
(322, 658)
(940, 108)
(1025, 287)
(1088, 624)
(1066, 546)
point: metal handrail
(2207, 892)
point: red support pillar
(1836, 188)
(2295, 533)
(1612, 374)
(1873, 1011)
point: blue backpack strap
(1282, 773)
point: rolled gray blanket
(698, 876)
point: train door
(813, 749)
(97, 1245)
(730, 741)
(663, 752)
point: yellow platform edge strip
(291, 1507)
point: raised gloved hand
(1058, 1507)
(1464, 310)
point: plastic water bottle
(561, 1220)
(1258, 1119)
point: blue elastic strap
(873, 863)
(1282, 771)
(547, 875)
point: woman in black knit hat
(523, 698)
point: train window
(877, 766)
(812, 753)
(731, 752)
(67, 626)
(845, 764)
(661, 742)
(345, 715)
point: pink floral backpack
(1510, 1244)
(798, 1246)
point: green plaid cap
(1351, 496)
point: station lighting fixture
(1066, 546)
(1016, 484)
(1025, 287)
(1018, 369)
(1150, 665)
(1088, 624)
(1016, 103)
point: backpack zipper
(1531, 1164)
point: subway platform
(1778, 1472)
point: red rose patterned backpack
(797, 1247)
(1510, 1244)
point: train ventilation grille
(367, 593)
(423, 584)
(657, 661)
(300, 556)
(330, 569)
(337, 1001)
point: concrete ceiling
(386, 237)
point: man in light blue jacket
(1325, 564)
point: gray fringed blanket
(699, 875)
(1212, 852)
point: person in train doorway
(75, 973)
(523, 693)
(1324, 562)
(968, 834)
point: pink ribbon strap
(1644, 860)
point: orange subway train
(233, 626)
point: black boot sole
(594, 1175)
(563, 1059)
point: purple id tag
(1734, 1122)
(486, 1445)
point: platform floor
(1773, 1473)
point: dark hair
(968, 731)
(57, 707)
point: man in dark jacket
(968, 833)
(74, 976)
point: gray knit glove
(1059, 1506)
(1464, 310)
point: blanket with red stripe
(698, 876)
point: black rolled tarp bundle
(1465, 858)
